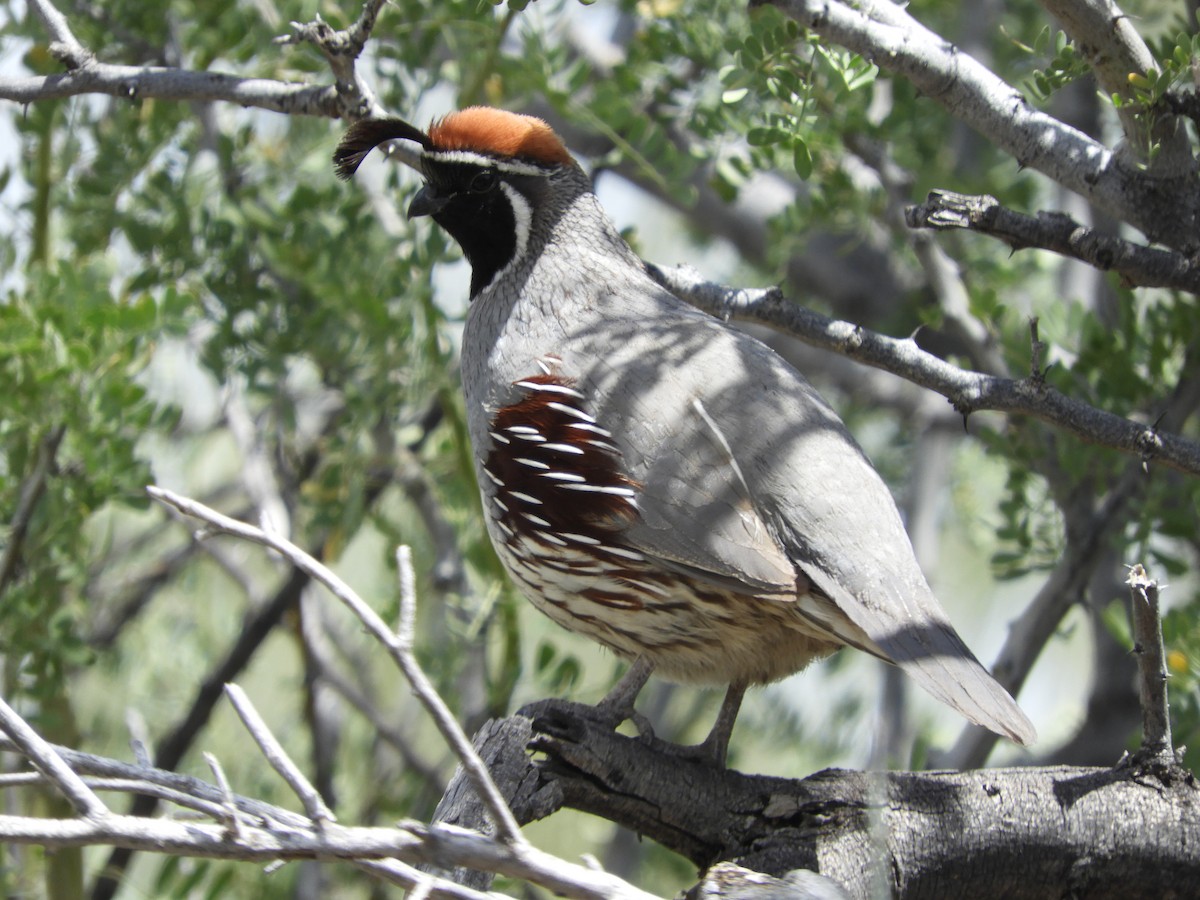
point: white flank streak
(564, 476)
(604, 445)
(572, 411)
(508, 531)
(599, 489)
(580, 538)
(550, 388)
(541, 365)
(594, 429)
(497, 436)
(536, 520)
(654, 588)
(532, 463)
(563, 448)
(521, 429)
(733, 464)
(621, 551)
(496, 481)
(500, 503)
(547, 536)
(521, 495)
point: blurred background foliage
(190, 298)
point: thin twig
(410, 877)
(1152, 665)
(279, 759)
(32, 489)
(420, 890)
(64, 45)
(408, 596)
(50, 764)
(182, 799)
(229, 806)
(272, 833)
(481, 779)
(341, 50)
(321, 651)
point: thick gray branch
(967, 391)
(1047, 832)
(1112, 46)
(1165, 209)
(141, 82)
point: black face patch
(477, 214)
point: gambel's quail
(653, 479)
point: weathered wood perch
(1011, 833)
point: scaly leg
(623, 694)
(618, 702)
(716, 745)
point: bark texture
(1004, 833)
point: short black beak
(427, 202)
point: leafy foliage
(167, 259)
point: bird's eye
(484, 181)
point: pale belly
(692, 633)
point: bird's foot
(616, 707)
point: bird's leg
(626, 690)
(716, 745)
(618, 702)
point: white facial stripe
(522, 218)
(523, 215)
(478, 159)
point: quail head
(653, 479)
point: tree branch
(399, 649)
(159, 82)
(342, 50)
(349, 97)
(898, 834)
(252, 830)
(1138, 266)
(32, 489)
(51, 765)
(1114, 49)
(64, 46)
(1152, 668)
(1166, 209)
(1087, 532)
(274, 753)
(967, 391)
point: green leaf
(801, 159)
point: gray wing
(749, 477)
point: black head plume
(367, 134)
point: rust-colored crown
(497, 132)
